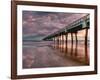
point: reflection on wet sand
(46, 54)
(72, 52)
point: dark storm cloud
(44, 23)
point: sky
(37, 25)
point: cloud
(44, 23)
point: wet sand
(43, 54)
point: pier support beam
(86, 45)
(54, 41)
(71, 43)
(66, 48)
(57, 42)
(62, 43)
(76, 45)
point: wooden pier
(72, 29)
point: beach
(42, 54)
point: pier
(61, 43)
